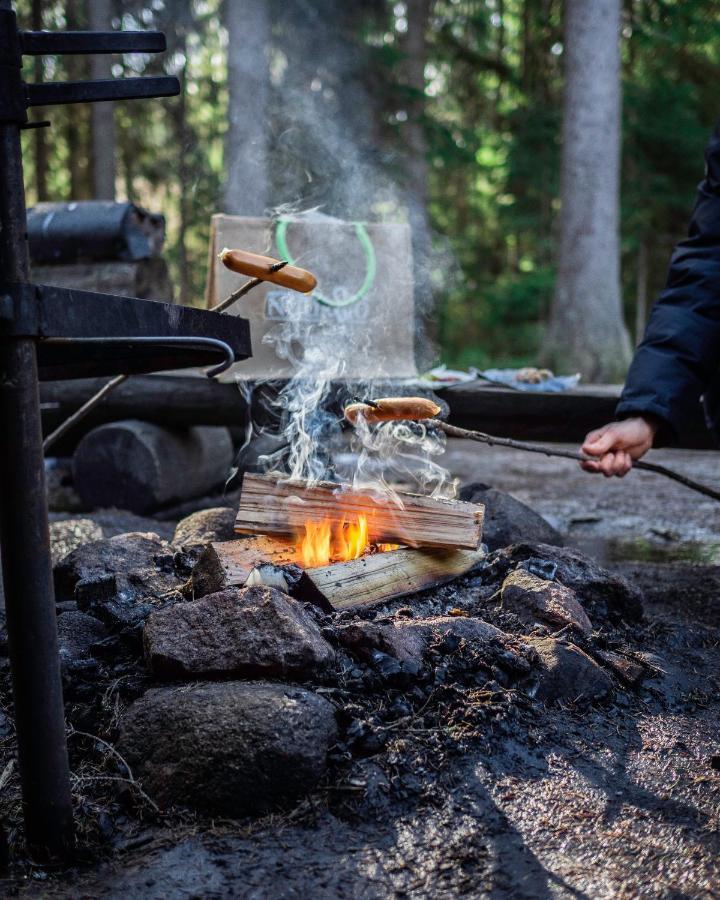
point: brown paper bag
(363, 303)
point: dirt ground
(621, 799)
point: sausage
(387, 409)
(256, 266)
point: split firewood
(270, 506)
(230, 563)
(382, 576)
(373, 578)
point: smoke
(328, 158)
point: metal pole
(26, 562)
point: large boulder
(534, 599)
(206, 526)
(228, 748)
(603, 594)
(507, 520)
(118, 580)
(249, 632)
(567, 673)
(407, 639)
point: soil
(481, 790)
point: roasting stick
(80, 413)
(263, 268)
(245, 289)
(417, 409)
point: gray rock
(77, 632)
(67, 534)
(119, 579)
(567, 673)
(602, 593)
(406, 639)
(250, 632)
(228, 748)
(532, 599)
(205, 526)
(507, 520)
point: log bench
(180, 400)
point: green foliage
(490, 116)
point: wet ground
(616, 800)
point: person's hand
(616, 445)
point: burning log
(372, 578)
(269, 506)
(382, 576)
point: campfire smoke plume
(386, 454)
(327, 156)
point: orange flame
(322, 543)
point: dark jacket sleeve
(680, 351)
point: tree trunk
(40, 145)
(641, 291)
(247, 190)
(182, 137)
(102, 115)
(586, 331)
(415, 48)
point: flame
(322, 543)
(314, 549)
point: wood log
(228, 564)
(382, 576)
(373, 578)
(148, 279)
(141, 467)
(269, 506)
(182, 400)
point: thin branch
(492, 440)
(79, 414)
(245, 289)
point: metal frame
(56, 333)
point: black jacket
(679, 357)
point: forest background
(445, 112)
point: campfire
(339, 547)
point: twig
(87, 407)
(492, 440)
(130, 779)
(245, 289)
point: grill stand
(47, 333)
(26, 563)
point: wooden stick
(270, 506)
(79, 414)
(491, 440)
(100, 395)
(245, 289)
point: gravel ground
(617, 800)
